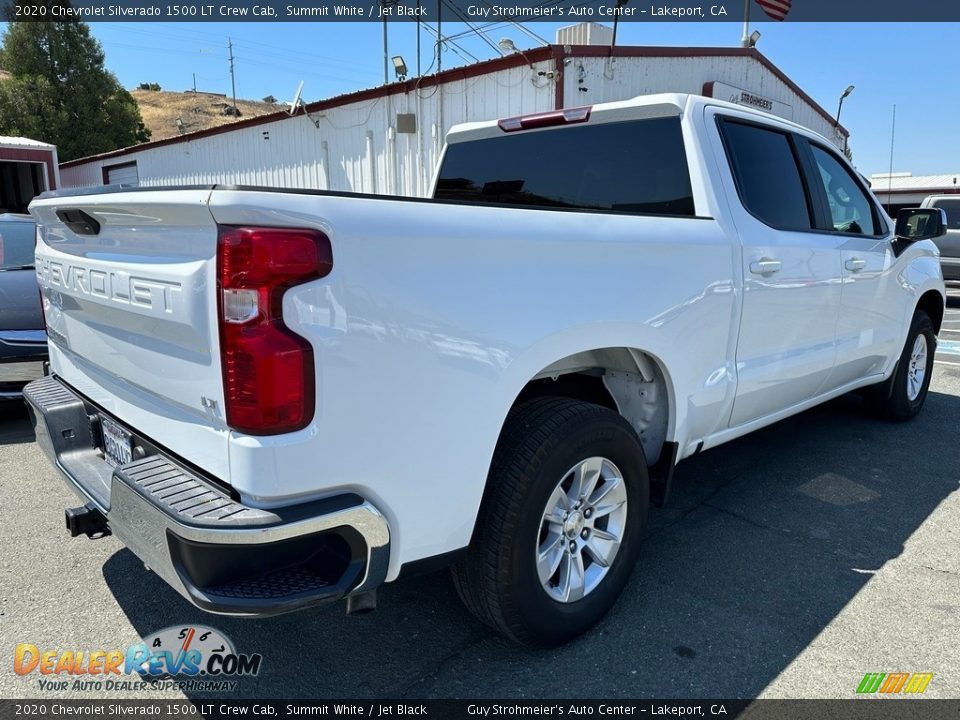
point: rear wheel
(559, 530)
(902, 396)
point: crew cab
(278, 398)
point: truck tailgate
(129, 283)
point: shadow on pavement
(15, 425)
(763, 543)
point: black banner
(853, 709)
(572, 11)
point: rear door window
(767, 175)
(637, 167)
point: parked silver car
(949, 244)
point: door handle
(855, 264)
(765, 266)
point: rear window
(16, 244)
(767, 175)
(952, 208)
(637, 167)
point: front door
(870, 329)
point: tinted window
(850, 209)
(767, 176)
(633, 167)
(16, 244)
(952, 208)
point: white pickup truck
(278, 398)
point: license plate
(117, 446)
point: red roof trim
(541, 54)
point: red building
(27, 168)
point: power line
(472, 27)
(294, 70)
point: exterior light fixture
(399, 67)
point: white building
(387, 140)
(903, 189)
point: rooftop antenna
(296, 103)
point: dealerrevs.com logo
(189, 657)
(894, 683)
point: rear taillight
(268, 372)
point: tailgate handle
(79, 221)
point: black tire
(891, 400)
(497, 578)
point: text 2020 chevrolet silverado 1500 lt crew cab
(278, 398)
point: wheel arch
(932, 303)
(632, 381)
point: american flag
(776, 9)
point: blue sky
(912, 65)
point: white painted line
(949, 347)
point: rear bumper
(221, 555)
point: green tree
(60, 92)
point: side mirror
(921, 224)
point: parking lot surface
(786, 564)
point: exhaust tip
(363, 603)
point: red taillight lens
(569, 116)
(268, 372)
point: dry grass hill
(197, 111)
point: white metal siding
(610, 79)
(331, 149)
(355, 147)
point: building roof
(541, 54)
(908, 182)
(22, 142)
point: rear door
(129, 287)
(791, 295)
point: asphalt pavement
(788, 563)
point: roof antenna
(893, 133)
(296, 103)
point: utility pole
(386, 54)
(233, 78)
(745, 40)
(194, 82)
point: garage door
(125, 174)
